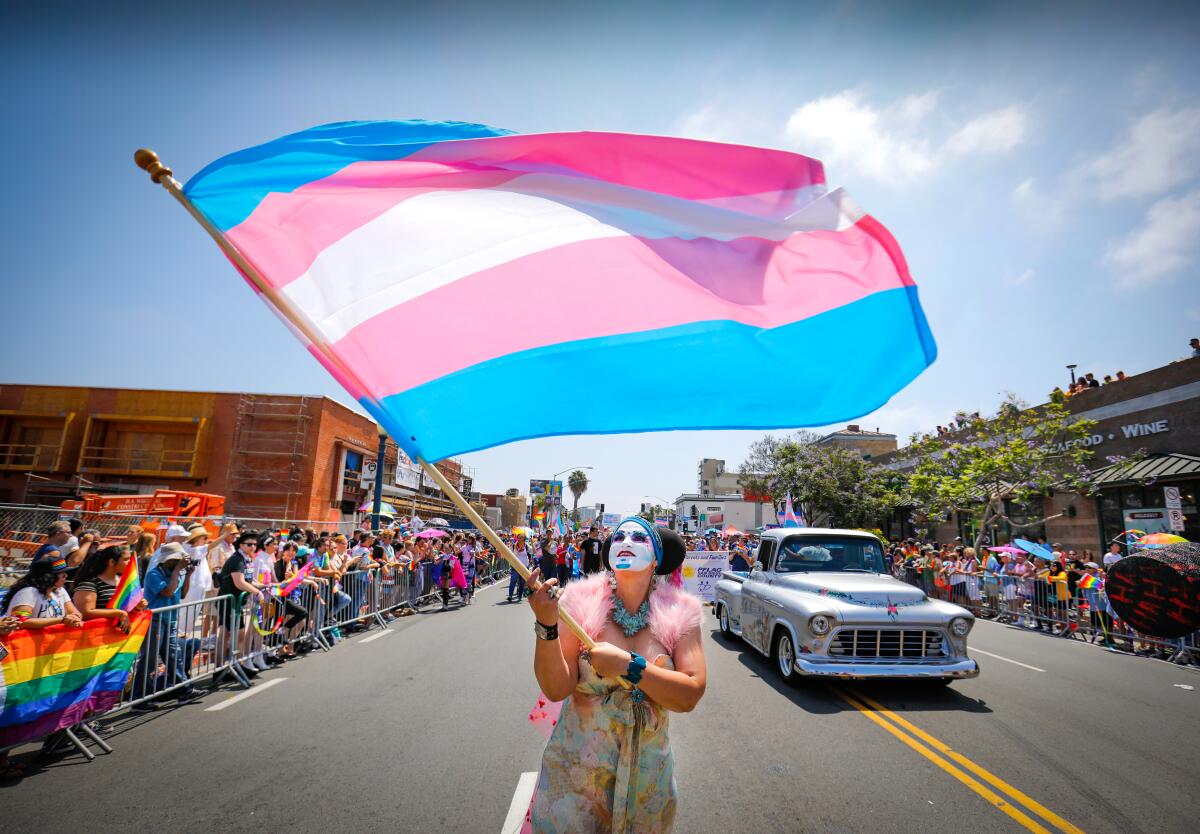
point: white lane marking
(241, 696)
(375, 636)
(974, 650)
(520, 803)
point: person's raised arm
(555, 662)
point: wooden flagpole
(149, 162)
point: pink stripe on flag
(606, 283)
(688, 168)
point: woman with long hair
(39, 598)
(96, 583)
(608, 765)
(143, 549)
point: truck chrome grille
(887, 642)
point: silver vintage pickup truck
(821, 603)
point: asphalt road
(424, 729)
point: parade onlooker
(591, 547)
(1113, 555)
(165, 586)
(516, 584)
(39, 598)
(96, 583)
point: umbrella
(1160, 540)
(438, 522)
(523, 531)
(384, 508)
(1034, 549)
(712, 531)
(732, 531)
(1006, 548)
(431, 534)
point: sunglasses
(640, 537)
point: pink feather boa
(673, 611)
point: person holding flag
(608, 765)
(96, 584)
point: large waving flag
(789, 518)
(569, 257)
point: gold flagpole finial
(149, 162)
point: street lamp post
(1072, 368)
(378, 503)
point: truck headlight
(960, 626)
(819, 625)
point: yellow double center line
(1005, 797)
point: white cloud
(1024, 278)
(1159, 151)
(996, 132)
(1166, 241)
(893, 144)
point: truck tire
(723, 621)
(783, 652)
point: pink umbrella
(431, 534)
(1006, 548)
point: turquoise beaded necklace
(631, 624)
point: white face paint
(632, 548)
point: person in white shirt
(201, 584)
(39, 599)
(222, 548)
(1113, 555)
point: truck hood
(867, 589)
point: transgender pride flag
(448, 265)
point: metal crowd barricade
(186, 644)
(1033, 602)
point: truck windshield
(830, 553)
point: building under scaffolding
(282, 457)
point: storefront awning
(1152, 468)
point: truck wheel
(784, 653)
(723, 621)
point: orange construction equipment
(153, 513)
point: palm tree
(577, 482)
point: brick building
(271, 456)
(1156, 412)
(869, 444)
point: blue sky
(1041, 170)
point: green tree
(1012, 459)
(577, 482)
(835, 487)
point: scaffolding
(266, 459)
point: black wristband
(545, 632)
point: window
(804, 553)
(765, 550)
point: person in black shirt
(591, 547)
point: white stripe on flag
(427, 242)
(432, 240)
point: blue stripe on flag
(228, 190)
(842, 364)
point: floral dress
(608, 765)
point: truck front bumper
(817, 667)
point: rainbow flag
(53, 677)
(627, 253)
(294, 583)
(129, 588)
(1089, 581)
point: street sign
(1174, 504)
(368, 473)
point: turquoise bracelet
(637, 665)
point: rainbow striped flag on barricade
(53, 677)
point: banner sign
(702, 569)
